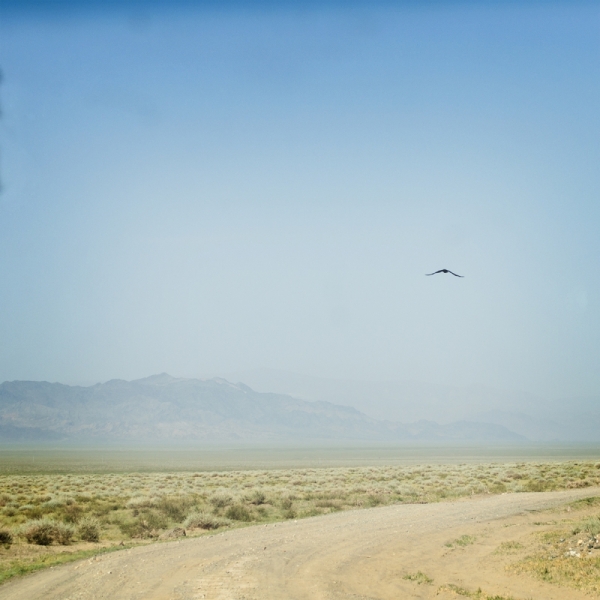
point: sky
(202, 188)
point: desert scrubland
(477, 548)
(50, 518)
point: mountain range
(165, 409)
(539, 419)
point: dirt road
(358, 555)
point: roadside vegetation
(51, 517)
(568, 552)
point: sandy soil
(358, 555)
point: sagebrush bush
(238, 512)
(221, 500)
(286, 503)
(204, 520)
(64, 533)
(6, 538)
(89, 529)
(72, 513)
(175, 508)
(289, 513)
(257, 497)
(41, 532)
(141, 502)
(147, 525)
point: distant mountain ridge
(162, 408)
(572, 420)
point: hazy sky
(200, 190)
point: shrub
(374, 500)
(537, 485)
(141, 502)
(41, 532)
(72, 513)
(89, 530)
(257, 497)
(204, 520)
(238, 512)
(286, 503)
(147, 525)
(289, 513)
(32, 512)
(220, 500)
(6, 538)
(53, 503)
(591, 526)
(63, 533)
(175, 508)
(498, 487)
(335, 504)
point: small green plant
(478, 594)
(586, 502)
(460, 591)
(591, 526)
(508, 547)
(462, 541)
(418, 577)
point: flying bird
(444, 271)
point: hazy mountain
(537, 419)
(167, 409)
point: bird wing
(455, 275)
(435, 273)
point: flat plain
(60, 511)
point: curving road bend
(352, 555)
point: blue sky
(201, 190)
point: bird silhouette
(444, 271)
